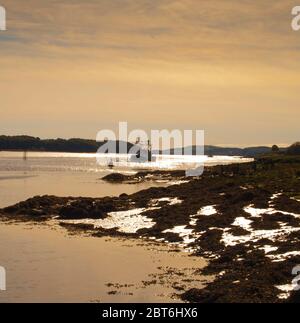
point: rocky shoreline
(143, 176)
(245, 218)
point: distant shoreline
(77, 145)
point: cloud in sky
(69, 68)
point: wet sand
(46, 264)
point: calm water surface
(46, 264)
(67, 174)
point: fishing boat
(143, 154)
(111, 164)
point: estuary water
(71, 174)
(44, 263)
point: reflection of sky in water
(47, 161)
(46, 265)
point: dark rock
(116, 178)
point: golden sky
(69, 68)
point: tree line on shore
(77, 145)
(28, 143)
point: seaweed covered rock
(47, 205)
(66, 207)
(116, 178)
(144, 176)
(87, 208)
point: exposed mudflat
(245, 218)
